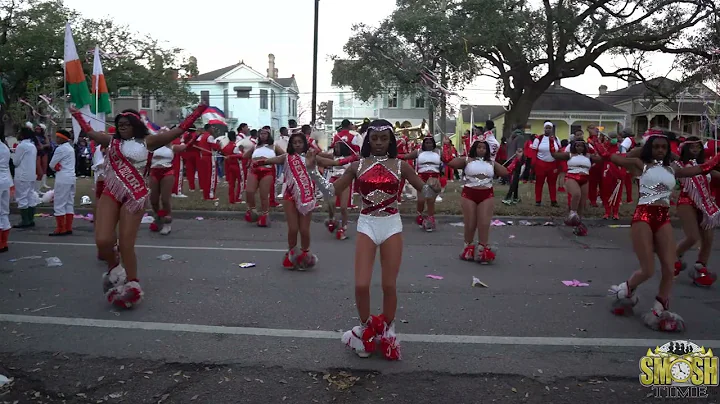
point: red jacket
(348, 138)
(204, 146)
(229, 152)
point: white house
(391, 106)
(246, 95)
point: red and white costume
(578, 170)
(233, 171)
(260, 171)
(207, 168)
(429, 165)
(611, 185)
(627, 182)
(478, 188)
(546, 167)
(161, 166)
(300, 190)
(177, 169)
(596, 175)
(191, 160)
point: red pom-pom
(377, 323)
(390, 349)
(154, 227)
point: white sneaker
(166, 229)
(353, 339)
(113, 278)
(438, 199)
(179, 196)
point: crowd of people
(135, 165)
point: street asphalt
(210, 331)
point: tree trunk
(518, 114)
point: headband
(61, 136)
(129, 114)
(689, 142)
(654, 133)
(380, 128)
(548, 123)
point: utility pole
(443, 97)
(315, 66)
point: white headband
(548, 123)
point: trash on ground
(436, 277)
(147, 220)
(477, 283)
(512, 236)
(548, 224)
(53, 262)
(575, 283)
(164, 257)
(199, 218)
(85, 200)
(4, 380)
(458, 224)
(497, 223)
(246, 265)
(42, 215)
(43, 308)
(525, 223)
(31, 257)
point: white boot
(361, 339)
(166, 229)
(623, 299)
(44, 182)
(113, 278)
(660, 319)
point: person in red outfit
(597, 169)
(466, 143)
(612, 176)
(628, 143)
(177, 167)
(448, 153)
(233, 166)
(207, 170)
(190, 158)
(546, 167)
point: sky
(249, 30)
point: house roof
(286, 82)
(559, 98)
(687, 108)
(659, 87)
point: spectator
(83, 158)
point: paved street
(212, 332)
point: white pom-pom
(48, 196)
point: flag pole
(65, 105)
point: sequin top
(479, 174)
(656, 184)
(264, 151)
(378, 183)
(579, 164)
(136, 152)
(162, 157)
(428, 162)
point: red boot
(468, 253)
(340, 234)
(679, 266)
(4, 234)
(263, 220)
(701, 276)
(251, 216)
(290, 259)
(419, 219)
(59, 226)
(331, 225)
(69, 217)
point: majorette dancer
(579, 163)
(260, 177)
(298, 201)
(651, 230)
(378, 175)
(6, 183)
(191, 159)
(25, 162)
(345, 144)
(428, 162)
(63, 163)
(162, 180)
(125, 196)
(698, 211)
(478, 198)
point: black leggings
(514, 182)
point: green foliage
(419, 35)
(32, 51)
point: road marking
(311, 334)
(164, 247)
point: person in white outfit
(63, 163)
(6, 183)
(25, 161)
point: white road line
(310, 334)
(164, 247)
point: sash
(300, 184)
(698, 189)
(124, 181)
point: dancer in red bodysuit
(379, 174)
(207, 169)
(122, 204)
(260, 177)
(698, 212)
(233, 168)
(651, 231)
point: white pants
(64, 199)
(5, 209)
(379, 228)
(25, 194)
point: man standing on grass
(516, 142)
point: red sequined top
(378, 183)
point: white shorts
(379, 228)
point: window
(226, 101)
(272, 100)
(205, 97)
(124, 92)
(145, 101)
(263, 99)
(393, 100)
(243, 93)
(419, 101)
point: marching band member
(651, 230)
(478, 199)
(6, 183)
(124, 198)
(25, 162)
(260, 177)
(233, 168)
(546, 168)
(177, 186)
(298, 201)
(63, 163)
(579, 163)
(626, 146)
(612, 177)
(429, 166)
(162, 181)
(378, 174)
(244, 138)
(596, 171)
(698, 212)
(341, 151)
(191, 159)
(207, 169)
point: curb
(321, 216)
